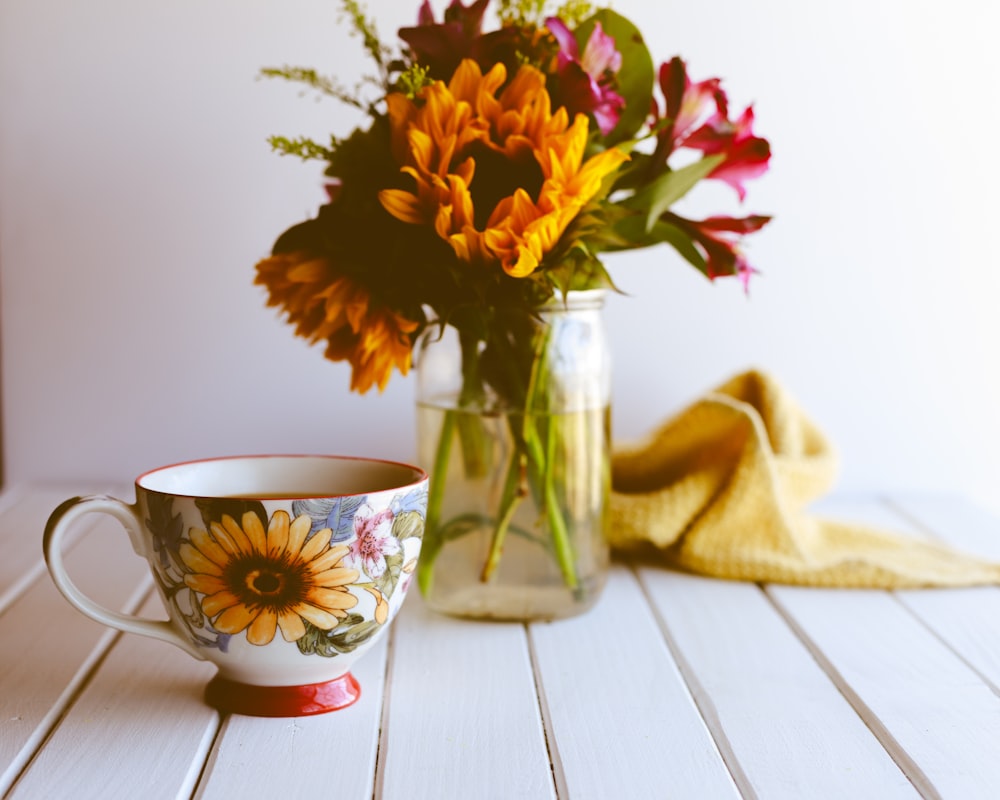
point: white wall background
(137, 192)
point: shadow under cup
(280, 570)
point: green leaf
(635, 79)
(657, 196)
(386, 582)
(580, 271)
(408, 525)
(682, 243)
(346, 637)
(633, 230)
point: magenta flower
(717, 239)
(374, 539)
(746, 155)
(441, 46)
(687, 104)
(586, 81)
(697, 117)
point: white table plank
(326, 755)
(23, 514)
(937, 717)
(788, 727)
(139, 728)
(621, 720)
(955, 520)
(462, 717)
(904, 658)
(460, 714)
(968, 620)
(49, 648)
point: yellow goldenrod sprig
(304, 148)
(320, 83)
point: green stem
(557, 523)
(471, 398)
(513, 493)
(539, 466)
(435, 494)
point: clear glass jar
(516, 434)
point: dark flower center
(266, 582)
(261, 581)
(497, 177)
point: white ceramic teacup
(280, 570)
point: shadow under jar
(516, 434)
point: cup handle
(55, 530)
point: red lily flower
(697, 116)
(717, 240)
(746, 155)
(585, 82)
(687, 104)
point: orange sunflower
(324, 304)
(437, 141)
(260, 581)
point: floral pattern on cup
(319, 574)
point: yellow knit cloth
(721, 490)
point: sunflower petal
(234, 530)
(261, 630)
(330, 599)
(291, 625)
(209, 547)
(255, 530)
(337, 576)
(277, 534)
(316, 545)
(196, 561)
(235, 619)
(329, 559)
(403, 205)
(324, 620)
(219, 602)
(297, 533)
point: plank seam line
(211, 756)
(699, 695)
(551, 749)
(951, 649)
(20, 587)
(76, 686)
(37, 571)
(196, 779)
(906, 764)
(382, 741)
(900, 598)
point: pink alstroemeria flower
(687, 104)
(374, 539)
(746, 155)
(697, 117)
(585, 81)
(717, 239)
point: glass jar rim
(575, 299)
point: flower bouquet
(497, 167)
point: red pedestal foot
(282, 701)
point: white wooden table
(672, 686)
